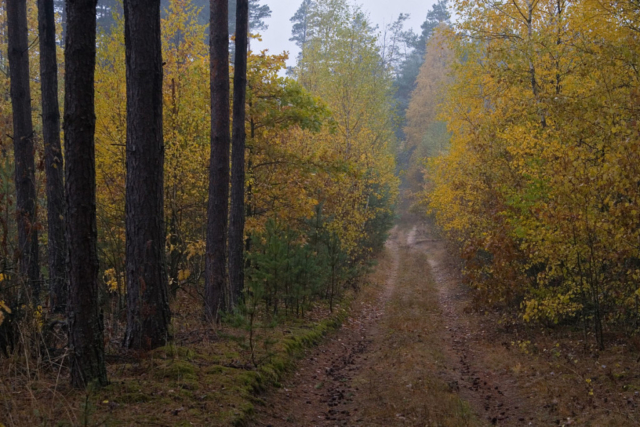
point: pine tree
(216, 278)
(430, 85)
(86, 340)
(53, 156)
(405, 82)
(437, 15)
(148, 314)
(237, 216)
(23, 143)
(301, 28)
(257, 14)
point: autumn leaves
(540, 185)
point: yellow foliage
(183, 275)
(304, 148)
(430, 87)
(4, 307)
(196, 249)
(3, 310)
(540, 185)
(38, 318)
(111, 279)
(426, 136)
(342, 66)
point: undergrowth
(206, 376)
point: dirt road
(410, 355)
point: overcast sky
(381, 12)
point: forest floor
(414, 349)
(414, 352)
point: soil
(322, 391)
(415, 353)
(369, 374)
(418, 349)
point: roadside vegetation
(537, 182)
(319, 196)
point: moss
(130, 387)
(186, 384)
(177, 369)
(250, 378)
(126, 392)
(243, 415)
(172, 351)
(215, 369)
(271, 373)
(183, 395)
(209, 380)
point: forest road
(410, 354)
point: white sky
(381, 12)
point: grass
(203, 378)
(407, 384)
(560, 378)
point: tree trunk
(85, 320)
(23, 143)
(236, 223)
(52, 156)
(148, 314)
(216, 282)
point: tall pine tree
(148, 313)
(405, 82)
(86, 341)
(23, 143)
(257, 14)
(216, 278)
(52, 156)
(237, 214)
(301, 28)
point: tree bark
(85, 320)
(23, 144)
(216, 279)
(237, 217)
(148, 314)
(52, 156)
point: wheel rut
(409, 354)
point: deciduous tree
(540, 184)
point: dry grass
(569, 380)
(535, 375)
(406, 383)
(204, 378)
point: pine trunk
(216, 279)
(237, 217)
(52, 156)
(85, 321)
(148, 313)
(23, 143)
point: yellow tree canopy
(540, 185)
(431, 83)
